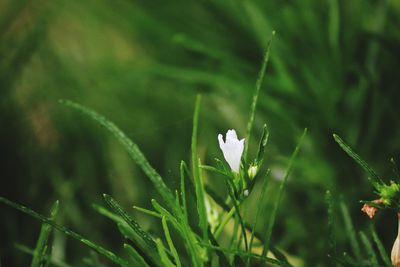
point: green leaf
(188, 236)
(108, 254)
(230, 213)
(170, 242)
(331, 230)
(258, 212)
(272, 216)
(183, 189)
(163, 255)
(148, 212)
(129, 233)
(334, 24)
(223, 260)
(248, 254)
(165, 213)
(93, 260)
(132, 149)
(224, 221)
(279, 256)
(215, 170)
(373, 177)
(262, 145)
(381, 248)
(30, 251)
(199, 187)
(39, 254)
(134, 258)
(210, 191)
(259, 81)
(396, 171)
(236, 203)
(241, 222)
(131, 222)
(372, 259)
(355, 246)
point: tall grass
(332, 69)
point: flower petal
(232, 149)
(231, 134)
(221, 141)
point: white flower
(232, 149)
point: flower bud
(232, 149)
(252, 171)
(246, 192)
(388, 192)
(395, 255)
(212, 213)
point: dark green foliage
(132, 149)
(199, 185)
(333, 67)
(42, 246)
(375, 179)
(107, 253)
(132, 223)
(277, 201)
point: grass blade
(272, 217)
(372, 259)
(262, 145)
(30, 251)
(148, 212)
(129, 233)
(259, 81)
(280, 256)
(381, 248)
(99, 249)
(258, 213)
(223, 260)
(355, 246)
(373, 177)
(131, 222)
(242, 225)
(132, 149)
(236, 203)
(170, 242)
(230, 213)
(183, 189)
(190, 238)
(199, 186)
(39, 254)
(331, 224)
(248, 254)
(163, 255)
(135, 259)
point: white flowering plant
(240, 175)
(201, 232)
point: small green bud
(388, 192)
(246, 192)
(395, 187)
(252, 171)
(386, 201)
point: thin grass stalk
(105, 252)
(259, 81)
(272, 217)
(199, 187)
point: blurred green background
(334, 68)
